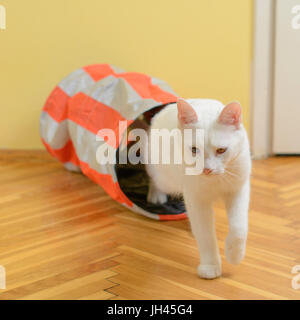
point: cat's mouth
(207, 171)
(210, 173)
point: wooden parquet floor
(62, 237)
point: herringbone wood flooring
(62, 237)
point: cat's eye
(195, 150)
(221, 150)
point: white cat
(226, 175)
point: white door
(286, 124)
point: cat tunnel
(98, 97)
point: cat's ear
(231, 115)
(186, 113)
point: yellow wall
(202, 48)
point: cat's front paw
(209, 271)
(157, 197)
(235, 249)
(71, 167)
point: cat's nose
(207, 171)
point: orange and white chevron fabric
(92, 98)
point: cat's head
(224, 135)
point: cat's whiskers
(226, 171)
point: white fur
(229, 180)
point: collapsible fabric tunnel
(99, 97)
